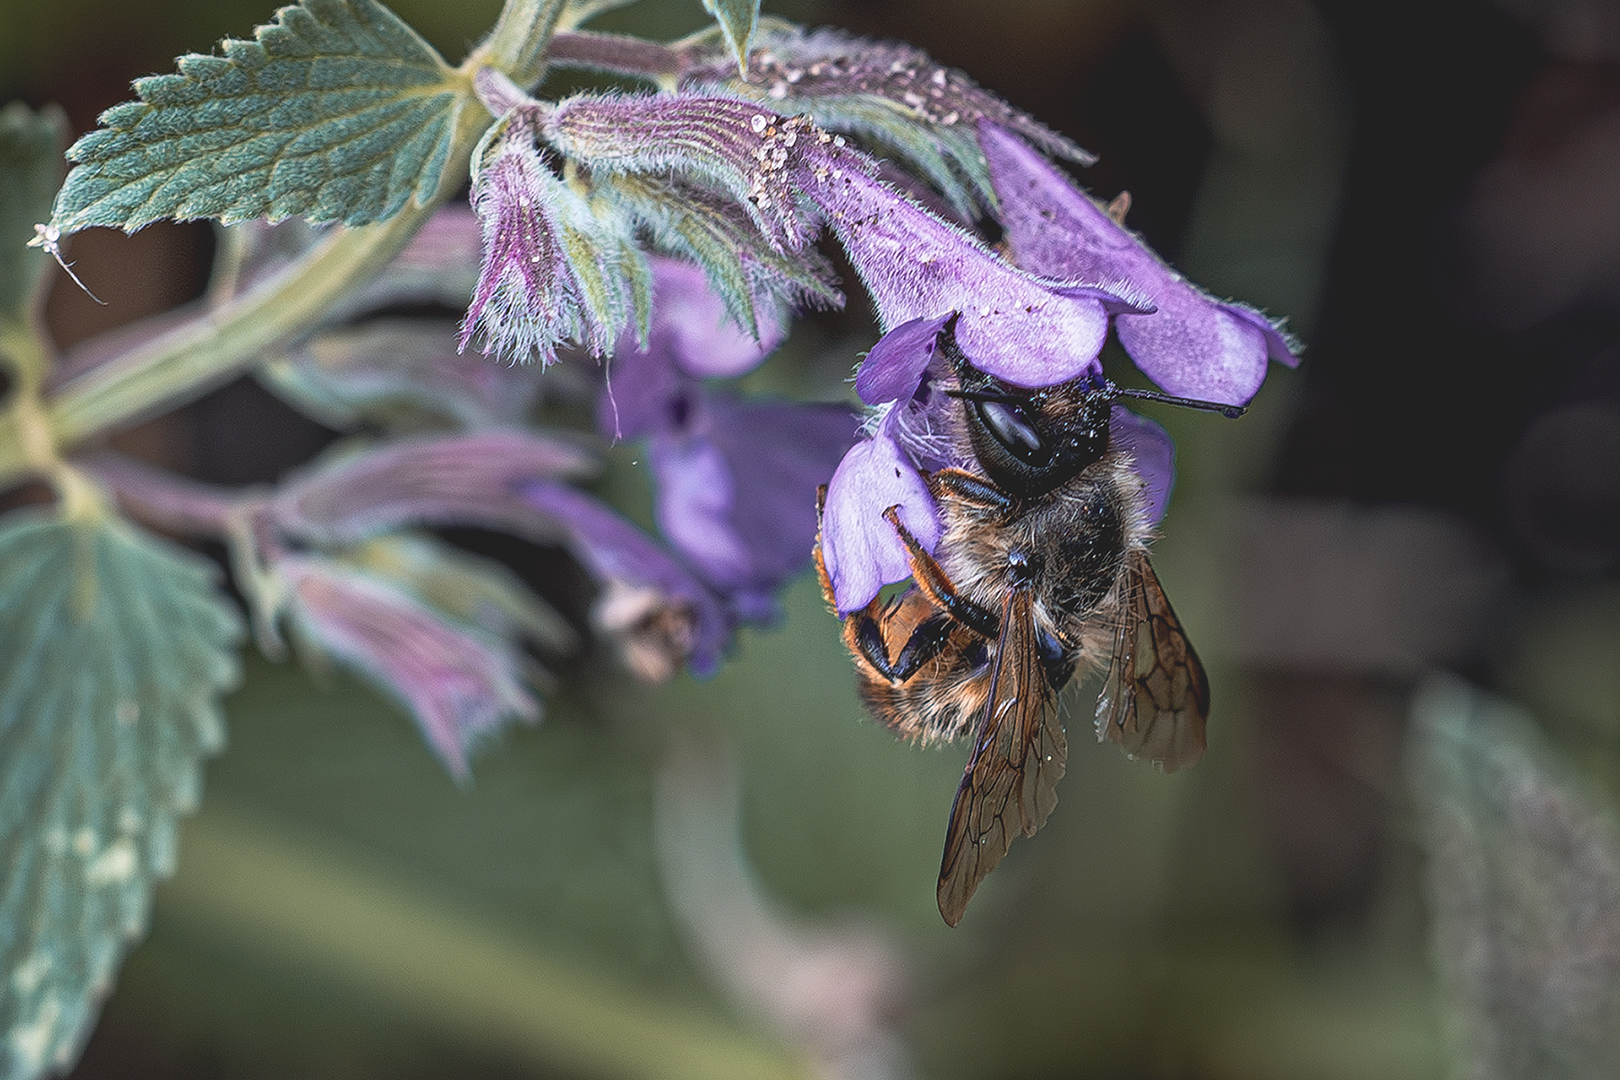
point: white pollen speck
(126, 712)
(838, 140)
(758, 123)
(938, 78)
(915, 100)
(30, 1041)
(984, 312)
(116, 863)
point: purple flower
(458, 683)
(736, 490)
(1189, 343)
(928, 277)
(652, 609)
(736, 479)
(1029, 330)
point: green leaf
(338, 111)
(30, 167)
(1524, 882)
(116, 648)
(737, 19)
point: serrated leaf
(116, 647)
(338, 111)
(30, 167)
(737, 19)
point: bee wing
(1156, 697)
(1018, 758)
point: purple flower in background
(1190, 344)
(736, 479)
(652, 608)
(459, 683)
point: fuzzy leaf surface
(117, 647)
(337, 111)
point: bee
(1041, 573)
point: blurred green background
(1426, 190)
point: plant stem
(615, 53)
(317, 904)
(518, 44)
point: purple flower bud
(553, 271)
(1190, 344)
(458, 683)
(751, 153)
(472, 479)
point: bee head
(1029, 442)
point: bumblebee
(1041, 573)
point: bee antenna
(1231, 412)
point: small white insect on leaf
(49, 237)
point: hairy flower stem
(517, 46)
(185, 363)
(616, 54)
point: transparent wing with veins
(1019, 752)
(1155, 699)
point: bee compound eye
(1009, 425)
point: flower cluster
(671, 235)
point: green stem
(520, 39)
(307, 901)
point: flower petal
(692, 323)
(1153, 456)
(860, 548)
(694, 508)
(1027, 330)
(1192, 344)
(895, 366)
(778, 453)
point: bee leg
(975, 491)
(930, 577)
(865, 635)
(821, 563)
